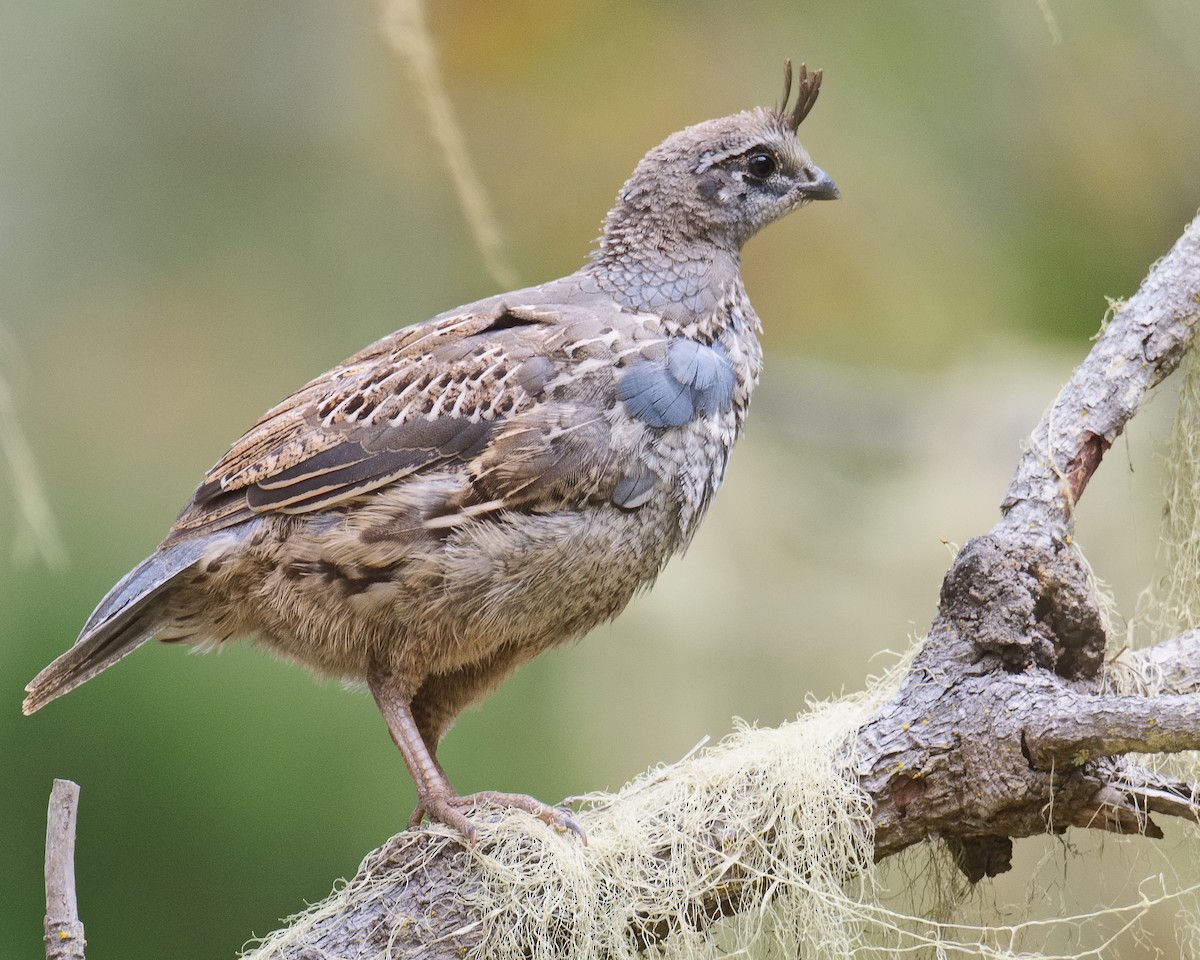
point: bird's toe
(449, 810)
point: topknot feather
(806, 94)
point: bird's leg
(433, 786)
(431, 737)
(436, 796)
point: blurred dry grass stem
(406, 30)
(1051, 22)
(36, 532)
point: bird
(468, 492)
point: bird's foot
(447, 809)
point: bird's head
(723, 180)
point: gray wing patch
(635, 488)
(694, 376)
(650, 393)
(706, 370)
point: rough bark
(1003, 727)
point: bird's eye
(760, 165)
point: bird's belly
(345, 592)
(339, 603)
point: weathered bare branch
(1142, 345)
(1083, 728)
(1172, 666)
(1004, 725)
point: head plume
(806, 94)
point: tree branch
(1172, 666)
(1083, 728)
(1003, 726)
(1142, 344)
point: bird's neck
(682, 279)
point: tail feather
(88, 657)
(129, 615)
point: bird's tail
(132, 613)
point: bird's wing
(466, 387)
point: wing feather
(427, 395)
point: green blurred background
(203, 205)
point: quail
(470, 491)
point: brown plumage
(470, 491)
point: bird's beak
(820, 188)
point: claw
(442, 809)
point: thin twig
(64, 932)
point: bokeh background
(202, 205)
